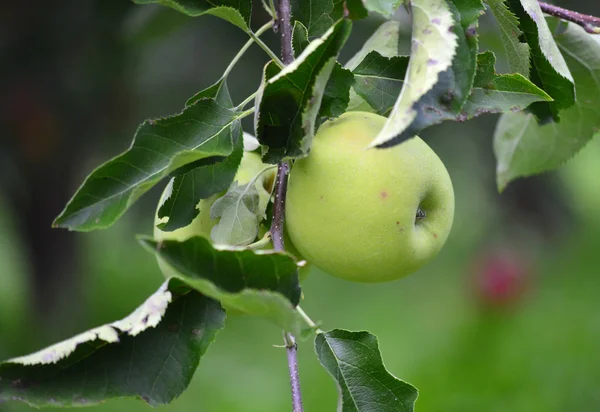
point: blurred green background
(505, 319)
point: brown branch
(590, 24)
(292, 349)
(284, 13)
(285, 27)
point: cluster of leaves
(549, 101)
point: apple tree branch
(277, 227)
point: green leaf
(336, 95)
(385, 41)
(379, 79)
(486, 70)
(240, 212)
(491, 92)
(202, 179)
(270, 70)
(318, 16)
(159, 147)
(437, 92)
(152, 355)
(549, 70)
(354, 361)
(199, 183)
(434, 46)
(218, 91)
(494, 93)
(237, 12)
(517, 53)
(288, 101)
(239, 216)
(523, 147)
(299, 38)
(337, 92)
(261, 283)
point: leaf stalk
(266, 48)
(308, 320)
(247, 100)
(246, 113)
(246, 46)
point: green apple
(368, 215)
(250, 166)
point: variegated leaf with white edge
(288, 102)
(151, 354)
(433, 47)
(549, 70)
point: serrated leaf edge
(400, 118)
(338, 361)
(61, 219)
(534, 11)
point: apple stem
(590, 24)
(283, 168)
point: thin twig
(590, 24)
(285, 28)
(266, 49)
(246, 46)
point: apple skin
(352, 211)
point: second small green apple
(202, 225)
(250, 165)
